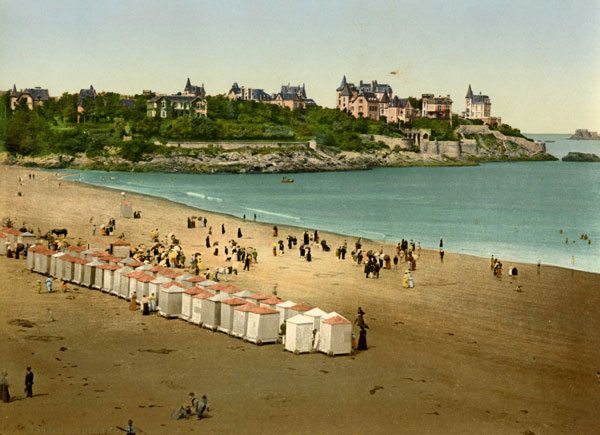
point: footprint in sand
(375, 388)
(324, 371)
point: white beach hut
(31, 256)
(125, 284)
(131, 262)
(3, 243)
(145, 268)
(197, 302)
(155, 284)
(240, 320)
(89, 273)
(155, 270)
(170, 299)
(243, 295)
(76, 251)
(95, 256)
(99, 276)
(300, 308)
(284, 310)
(78, 270)
(271, 302)
(335, 335)
(54, 265)
(69, 267)
(299, 334)
(197, 280)
(12, 234)
(111, 259)
(26, 239)
(42, 260)
(228, 307)
(116, 288)
(187, 303)
(257, 297)
(120, 248)
(223, 288)
(143, 286)
(263, 325)
(181, 278)
(316, 314)
(126, 210)
(211, 310)
(109, 277)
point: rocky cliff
(583, 134)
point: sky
(538, 60)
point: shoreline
(325, 232)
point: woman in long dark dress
(362, 339)
(4, 388)
(239, 233)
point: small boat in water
(287, 180)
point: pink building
(436, 107)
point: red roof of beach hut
(120, 243)
(203, 294)
(12, 231)
(193, 291)
(171, 284)
(112, 258)
(258, 296)
(336, 320)
(301, 307)
(45, 251)
(109, 267)
(135, 274)
(246, 307)
(234, 301)
(79, 260)
(199, 279)
(76, 249)
(262, 310)
(273, 300)
(136, 263)
(144, 277)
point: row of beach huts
(216, 306)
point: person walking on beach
(441, 242)
(362, 339)
(132, 303)
(275, 230)
(145, 306)
(360, 321)
(442, 255)
(254, 256)
(222, 228)
(4, 393)
(29, 382)
(247, 263)
(208, 241)
(152, 300)
(306, 238)
(239, 233)
(49, 284)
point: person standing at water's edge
(29, 382)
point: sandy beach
(462, 352)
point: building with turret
(293, 97)
(191, 103)
(33, 97)
(479, 107)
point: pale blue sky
(539, 61)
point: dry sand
(462, 352)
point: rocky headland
(584, 134)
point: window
(163, 114)
(360, 108)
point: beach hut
(120, 248)
(96, 244)
(155, 270)
(12, 234)
(197, 302)
(126, 210)
(228, 307)
(181, 278)
(243, 294)
(3, 243)
(143, 286)
(222, 288)
(42, 260)
(335, 335)
(144, 268)
(100, 275)
(263, 325)
(197, 280)
(170, 299)
(54, 264)
(211, 310)
(26, 239)
(116, 288)
(271, 302)
(76, 251)
(155, 284)
(78, 270)
(187, 304)
(109, 276)
(284, 310)
(89, 273)
(96, 256)
(299, 334)
(131, 262)
(31, 256)
(124, 285)
(133, 283)
(300, 308)
(111, 259)
(315, 314)
(69, 267)
(257, 297)
(240, 319)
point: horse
(59, 232)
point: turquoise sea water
(514, 211)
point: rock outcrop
(583, 134)
(580, 157)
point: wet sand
(462, 352)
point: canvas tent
(126, 210)
(170, 299)
(187, 305)
(120, 248)
(315, 314)
(197, 302)
(211, 310)
(26, 239)
(299, 334)
(89, 273)
(335, 335)
(284, 310)
(228, 307)
(263, 325)
(271, 302)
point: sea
(521, 211)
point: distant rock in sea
(580, 157)
(584, 134)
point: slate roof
(343, 85)
(288, 92)
(176, 98)
(126, 103)
(37, 93)
(193, 89)
(480, 99)
(469, 92)
(85, 93)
